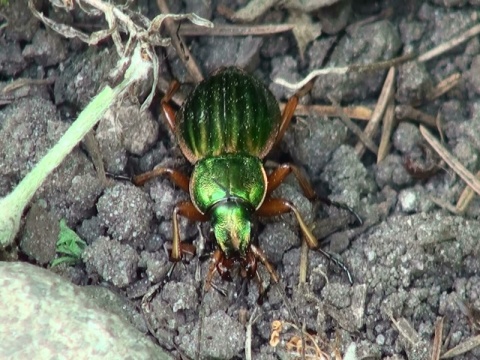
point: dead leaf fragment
(304, 30)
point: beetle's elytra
(225, 127)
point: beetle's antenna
(337, 262)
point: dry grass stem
(457, 167)
(444, 205)
(356, 68)
(354, 128)
(248, 334)
(444, 86)
(450, 44)
(234, 30)
(303, 263)
(406, 330)
(385, 95)
(384, 14)
(387, 128)
(21, 82)
(465, 198)
(437, 341)
(462, 348)
(353, 112)
(93, 149)
(182, 51)
(249, 12)
(407, 112)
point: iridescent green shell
(228, 176)
(231, 112)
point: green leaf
(68, 244)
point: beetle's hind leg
(287, 116)
(275, 207)
(175, 176)
(167, 110)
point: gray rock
(473, 76)
(113, 261)
(413, 83)
(47, 48)
(347, 177)
(78, 82)
(215, 52)
(11, 59)
(276, 239)
(222, 338)
(312, 144)
(124, 129)
(358, 48)
(43, 315)
(126, 212)
(40, 235)
(406, 137)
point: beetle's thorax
(229, 188)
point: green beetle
(225, 128)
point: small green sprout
(69, 245)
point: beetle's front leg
(275, 207)
(188, 210)
(278, 175)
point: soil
(412, 262)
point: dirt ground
(413, 262)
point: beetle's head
(232, 225)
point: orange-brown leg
(216, 258)
(188, 210)
(275, 207)
(178, 178)
(278, 175)
(287, 117)
(259, 255)
(167, 110)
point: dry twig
(388, 122)
(385, 96)
(462, 348)
(405, 112)
(234, 30)
(353, 112)
(182, 51)
(437, 341)
(354, 128)
(465, 198)
(459, 169)
(355, 68)
(449, 45)
(444, 86)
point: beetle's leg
(275, 207)
(278, 175)
(263, 259)
(178, 178)
(188, 210)
(287, 117)
(216, 258)
(167, 110)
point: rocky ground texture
(413, 262)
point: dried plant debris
(306, 26)
(256, 8)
